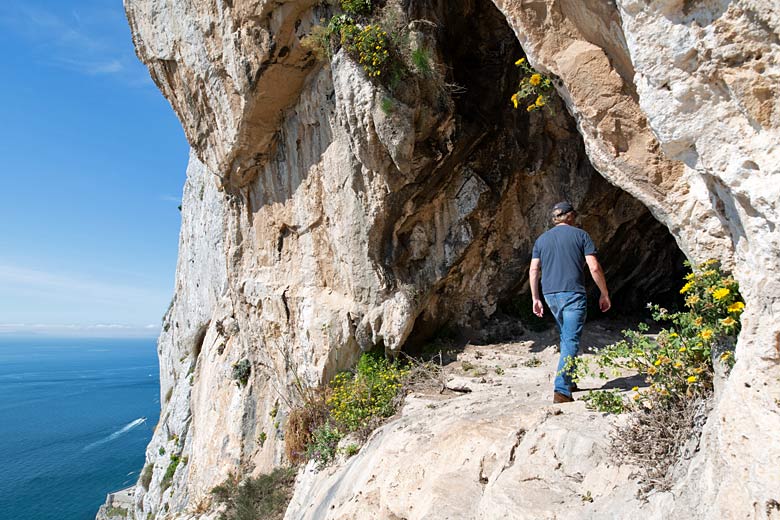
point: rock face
(324, 215)
(705, 83)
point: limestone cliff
(318, 221)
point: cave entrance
(527, 161)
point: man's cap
(561, 209)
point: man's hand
(598, 276)
(539, 308)
(604, 302)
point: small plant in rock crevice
(168, 477)
(421, 58)
(357, 6)
(241, 371)
(534, 86)
(324, 444)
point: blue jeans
(569, 310)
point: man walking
(561, 254)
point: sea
(75, 418)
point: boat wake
(126, 428)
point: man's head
(563, 213)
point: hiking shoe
(574, 387)
(562, 398)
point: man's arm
(598, 276)
(534, 274)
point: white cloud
(49, 282)
(59, 299)
(91, 67)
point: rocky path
(501, 451)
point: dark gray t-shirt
(562, 251)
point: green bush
(261, 498)
(352, 402)
(168, 477)
(356, 6)
(351, 450)
(421, 58)
(387, 105)
(606, 401)
(367, 393)
(324, 443)
(116, 511)
(241, 371)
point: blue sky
(92, 164)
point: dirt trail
(503, 450)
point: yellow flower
(539, 101)
(706, 334)
(728, 322)
(698, 321)
(690, 276)
(736, 307)
(692, 299)
(720, 293)
(635, 389)
(657, 362)
(691, 379)
(637, 397)
(678, 364)
(682, 349)
(652, 371)
(686, 287)
(520, 62)
(672, 334)
(530, 108)
(725, 356)
(535, 79)
(515, 99)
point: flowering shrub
(678, 363)
(678, 368)
(356, 6)
(533, 85)
(368, 45)
(353, 402)
(368, 393)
